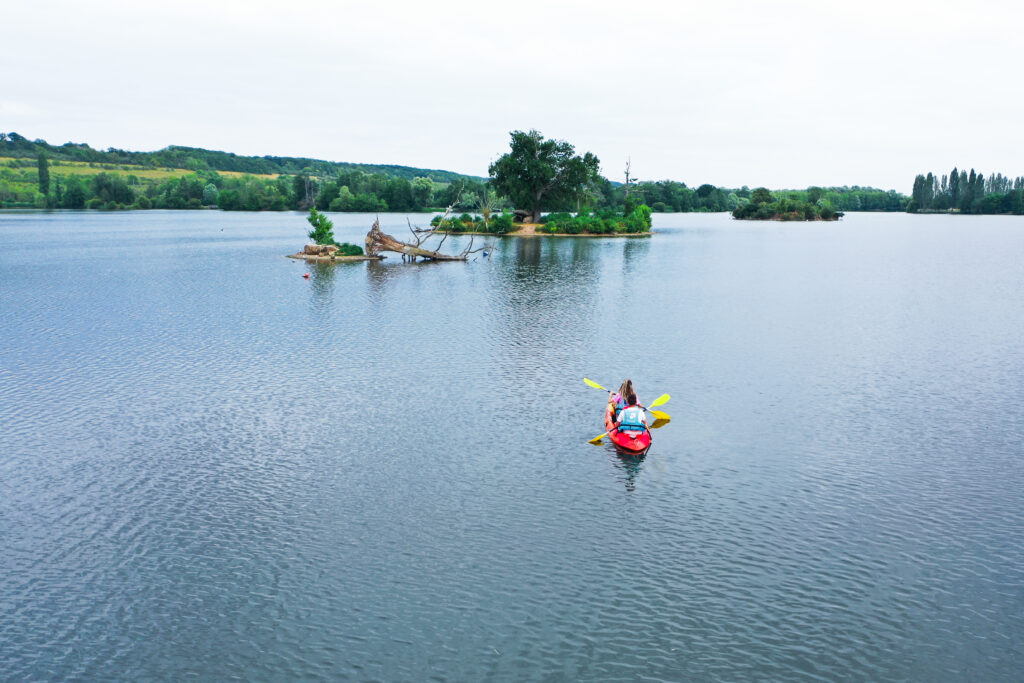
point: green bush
(639, 220)
(449, 225)
(502, 223)
(322, 232)
(557, 217)
(346, 249)
(596, 226)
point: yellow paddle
(661, 400)
(660, 419)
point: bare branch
(446, 233)
(377, 241)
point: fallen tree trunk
(378, 241)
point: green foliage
(44, 174)
(639, 220)
(556, 217)
(346, 249)
(600, 223)
(538, 173)
(112, 190)
(210, 195)
(783, 208)
(964, 192)
(74, 194)
(501, 223)
(422, 190)
(322, 232)
(200, 160)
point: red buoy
(306, 276)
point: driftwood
(319, 249)
(377, 241)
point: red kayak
(630, 442)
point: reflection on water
(630, 466)
(633, 254)
(322, 277)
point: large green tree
(539, 173)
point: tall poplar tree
(44, 174)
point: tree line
(198, 159)
(789, 206)
(565, 182)
(963, 192)
(37, 186)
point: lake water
(211, 467)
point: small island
(637, 223)
(323, 246)
(540, 174)
(329, 252)
(763, 206)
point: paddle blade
(661, 400)
(594, 384)
(658, 415)
(597, 439)
(659, 423)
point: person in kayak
(617, 400)
(631, 418)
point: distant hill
(198, 159)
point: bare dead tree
(378, 241)
(628, 162)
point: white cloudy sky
(783, 94)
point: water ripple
(211, 467)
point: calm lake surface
(211, 467)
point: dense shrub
(346, 249)
(557, 217)
(785, 209)
(639, 220)
(600, 223)
(501, 223)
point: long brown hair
(627, 393)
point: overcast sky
(783, 94)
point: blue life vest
(632, 419)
